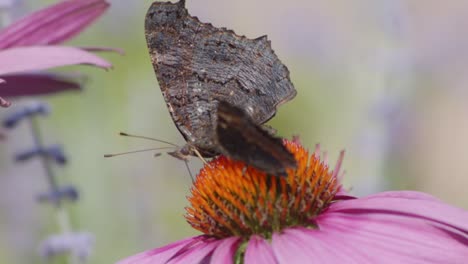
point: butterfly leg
(190, 172)
(270, 130)
(199, 155)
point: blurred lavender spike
(6, 3)
(78, 244)
(37, 109)
(54, 152)
(392, 70)
(57, 154)
(69, 193)
(9, 9)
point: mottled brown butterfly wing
(198, 65)
(239, 138)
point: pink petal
(406, 194)
(44, 57)
(300, 245)
(53, 24)
(288, 249)
(375, 230)
(387, 238)
(25, 84)
(197, 253)
(396, 227)
(161, 255)
(259, 252)
(225, 251)
(409, 204)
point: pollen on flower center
(229, 199)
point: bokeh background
(384, 79)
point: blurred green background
(383, 79)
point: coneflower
(247, 216)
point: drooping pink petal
(394, 239)
(25, 84)
(380, 233)
(37, 58)
(410, 204)
(258, 251)
(162, 254)
(52, 25)
(199, 253)
(225, 251)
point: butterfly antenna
(159, 153)
(136, 151)
(148, 138)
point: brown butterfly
(198, 65)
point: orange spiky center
(228, 199)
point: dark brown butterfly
(239, 138)
(198, 65)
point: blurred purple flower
(307, 218)
(6, 4)
(30, 44)
(79, 244)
